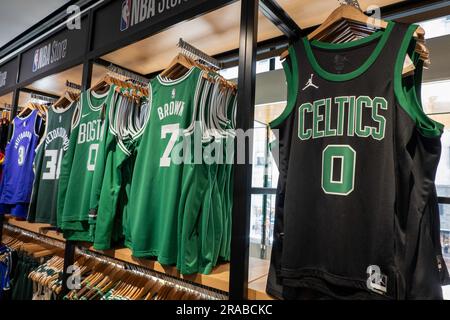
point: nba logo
(36, 61)
(125, 17)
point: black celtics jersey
(360, 163)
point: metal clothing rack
(245, 56)
(73, 86)
(190, 50)
(353, 3)
(47, 99)
(128, 75)
(206, 292)
(35, 236)
(6, 106)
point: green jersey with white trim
(47, 164)
(77, 169)
(154, 210)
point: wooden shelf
(35, 227)
(257, 289)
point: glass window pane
(265, 177)
(443, 171)
(436, 96)
(230, 73)
(437, 27)
(261, 225)
(444, 212)
(278, 64)
(263, 66)
(265, 171)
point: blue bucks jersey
(18, 173)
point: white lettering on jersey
(90, 131)
(173, 108)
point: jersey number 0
(338, 180)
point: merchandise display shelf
(257, 289)
(218, 279)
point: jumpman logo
(310, 83)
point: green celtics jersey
(154, 210)
(78, 164)
(47, 164)
(112, 176)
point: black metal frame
(246, 57)
(240, 240)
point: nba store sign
(137, 11)
(48, 54)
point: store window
(436, 27)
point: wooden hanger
(351, 15)
(145, 290)
(136, 92)
(65, 100)
(29, 107)
(180, 65)
(177, 67)
(103, 85)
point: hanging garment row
(31, 269)
(17, 169)
(19, 257)
(119, 166)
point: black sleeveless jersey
(357, 163)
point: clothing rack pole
(280, 18)
(353, 3)
(15, 104)
(148, 273)
(72, 85)
(34, 235)
(240, 239)
(200, 54)
(87, 75)
(127, 73)
(107, 64)
(40, 93)
(42, 98)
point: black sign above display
(8, 74)
(135, 12)
(64, 46)
(120, 19)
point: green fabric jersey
(47, 164)
(77, 169)
(113, 174)
(154, 212)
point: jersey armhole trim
(141, 130)
(44, 135)
(427, 126)
(76, 117)
(12, 132)
(38, 123)
(292, 88)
